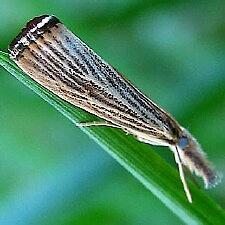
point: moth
(58, 60)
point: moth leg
(191, 176)
(96, 123)
(182, 177)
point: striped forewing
(64, 64)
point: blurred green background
(51, 172)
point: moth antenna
(181, 172)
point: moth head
(195, 159)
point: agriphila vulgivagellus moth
(58, 60)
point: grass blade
(139, 159)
